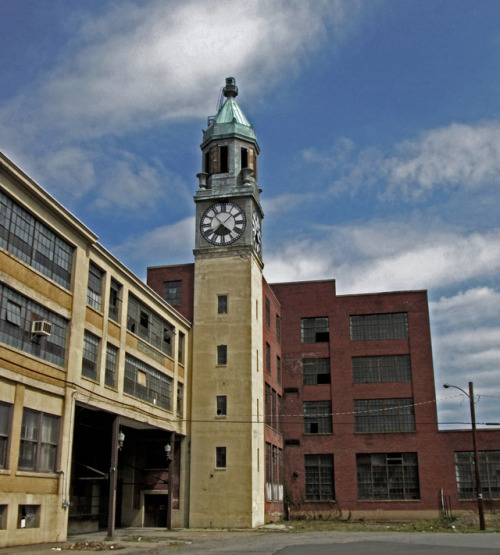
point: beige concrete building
(94, 371)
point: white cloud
(168, 243)
(456, 156)
(466, 156)
(388, 255)
(140, 62)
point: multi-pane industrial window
(315, 330)
(489, 471)
(367, 327)
(319, 477)
(145, 323)
(317, 417)
(387, 476)
(90, 355)
(220, 457)
(384, 415)
(274, 473)
(94, 287)
(221, 355)
(391, 368)
(222, 304)
(273, 408)
(267, 312)
(111, 362)
(221, 405)
(146, 383)
(114, 300)
(5, 411)
(180, 399)
(278, 328)
(315, 371)
(172, 292)
(27, 238)
(39, 440)
(268, 358)
(278, 369)
(17, 314)
(180, 348)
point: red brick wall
(435, 449)
(184, 272)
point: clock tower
(227, 432)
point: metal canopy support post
(170, 482)
(113, 477)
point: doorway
(155, 510)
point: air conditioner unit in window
(41, 327)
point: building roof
(230, 120)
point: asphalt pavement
(269, 541)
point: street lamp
(480, 506)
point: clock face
(223, 223)
(256, 231)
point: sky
(378, 123)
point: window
(180, 399)
(317, 417)
(94, 288)
(3, 517)
(28, 516)
(379, 326)
(27, 238)
(221, 304)
(114, 300)
(315, 371)
(268, 407)
(90, 355)
(268, 358)
(387, 476)
(267, 312)
(274, 473)
(220, 457)
(149, 326)
(180, 348)
(111, 362)
(146, 383)
(17, 313)
(489, 468)
(39, 441)
(393, 368)
(221, 405)
(218, 160)
(5, 412)
(278, 369)
(221, 355)
(13, 313)
(315, 330)
(319, 477)
(172, 292)
(384, 415)
(280, 414)
(278, 328)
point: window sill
(35, 474)
(389, 500)
(4, 472)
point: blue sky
(379, 128)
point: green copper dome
(230, 120)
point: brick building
(209, 397)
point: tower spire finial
(230, 90)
